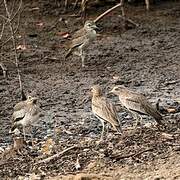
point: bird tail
(14, 129)
(158, 118)
(68, 53)
(155, 114)
(118, 128)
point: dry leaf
(77, 165)
(63, 34)
(21, 47)
(47, 146)
(35, 8)
(34, 176)
(1, 150)
(171, 110)
(116, 77)
(40, 24)
(167, 136)
(18, 143)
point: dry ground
(145, 59)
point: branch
(118, 157)
(14, 44)
(11, 19)
(111, 9)
(15, 30)
(55, 155)
(2, 31)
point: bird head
(118, 89)
(90, 25)
(96, 90)
(31, 100)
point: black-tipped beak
(35, 100)
(95, 27)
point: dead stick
(111, 9)
(4, 69)
(55, 155)
(118, 157)
(14, 44)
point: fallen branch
(118, 157)
(55, 155)
(110, 10)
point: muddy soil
(143, 58)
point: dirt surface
(145, 59)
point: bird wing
(151, 111)
(78, 41)
(19, 111)
(134, 103)
(140, 104)
(105, 110)
(79, 33)
(18, 115)
(19, 106)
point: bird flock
(27, 113)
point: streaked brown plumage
(26, 113)
(136, 103)
(82, 39)
(104, 110)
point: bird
(104, 110)
(137, 104)
(26, 113)
(82, 39)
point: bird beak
(95, 27)
(35, 99)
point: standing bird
(82, 39)
(137, 104)
(104, 110)
(26, 113)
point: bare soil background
(145, 58)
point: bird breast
(91, 34)
(31, 116)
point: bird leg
(82, 57)
(65, 5)
(136, 117)
(32, 137)
(147, 4)
(138, 120)
(75, 4)
(24, 133)
(102, 133)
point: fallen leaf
(40, 24)
(116, 77)
(167, 136)
(171, 110)
(47, 146)
(21, 47)
(18, 143)
(63, 34)
(77, 165)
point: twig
(55, 155)
(2, 31)
(4, 69)
(118, 157)
(15, 30)
(14, 45)
(111, 9)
